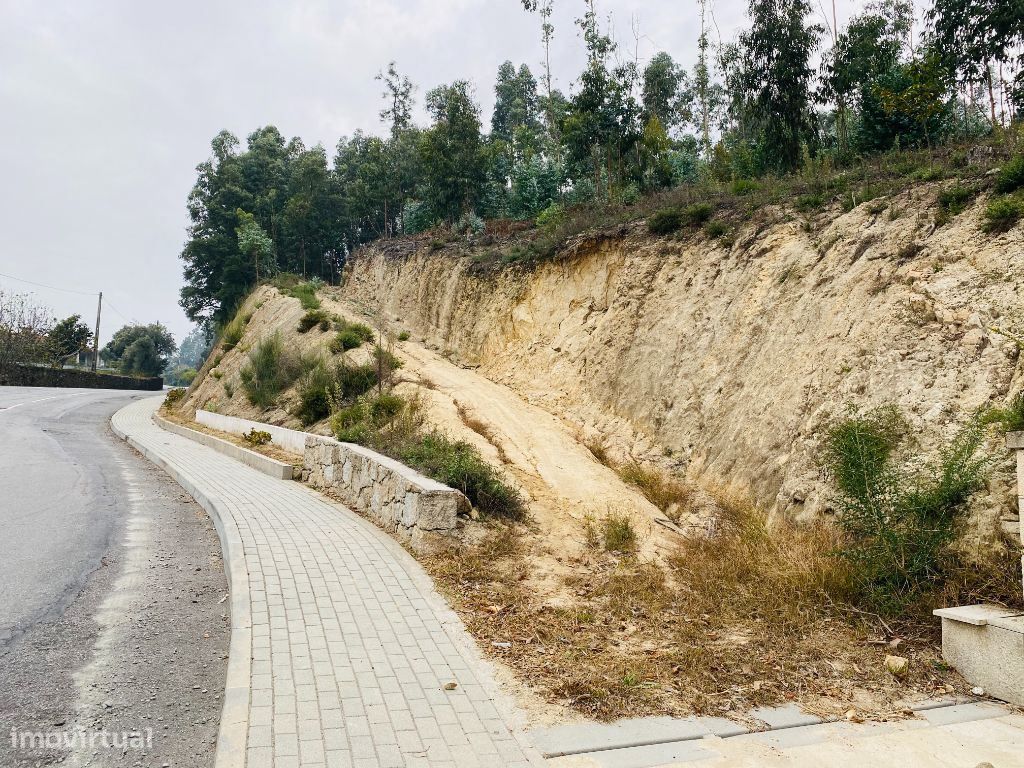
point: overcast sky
(108, 105)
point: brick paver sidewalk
(341, 650)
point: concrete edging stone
(257, 461)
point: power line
(50, 287)
(118, 312)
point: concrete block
(986, 645)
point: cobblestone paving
(351, 652)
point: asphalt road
(113, 610)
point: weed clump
(174, 397)
(458, 464)
(317, 389)
(716, 228)
(900, 515)
(665, 222)
(1011, 177)
(613, 533)
(257, 437)
(350, 336)
(305, 291)
(269, 370)
(669, 220)
(1002, 213)
(1009, 418)
(953, 200)
(394, 426)
(314, 318)
(234, 330)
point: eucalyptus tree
(776, 80)
(975, 36)
(452, 152)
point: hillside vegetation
(653, 394)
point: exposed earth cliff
(723, 358)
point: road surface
(112, 595)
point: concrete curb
(265, 464)
(234, 721)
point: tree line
(758, 105)
(30, 335)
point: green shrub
(313, 318)
(385, 362)
(217, 374)
(1010, 418)
(174, 396)
(810, 202)
(350, 336)
(551, 217)
(362, 421)
(403, 336)
(234, 330)
(393, 426)
(229, 389)
(1002, 213)
(317, 390)
(345, 340)
(954, 199)
(306, 294)
(697, 214)
(355, 380)
(269, 370)
(743, 187)
(290, 284)
(1011, 177)
(362, 330)
(669, 220)
(900, 515)
(716, 228)
(257, 437)
(933, 173)
(665, 221)
(458, 464)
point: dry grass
(752, 615)
(599, 451)
(671, 496)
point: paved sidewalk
(342, 653)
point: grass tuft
(314, 318)
(269, 370)
(668, 494)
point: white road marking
(4, 409)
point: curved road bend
(113, 625)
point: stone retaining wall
(413, 508)
(37, 376)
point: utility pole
(96, 338)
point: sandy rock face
(728, 360)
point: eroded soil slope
(724, 358)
